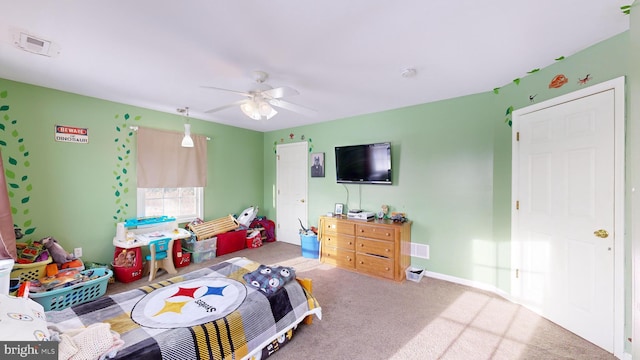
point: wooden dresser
(378, 248)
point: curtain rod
(135, 128)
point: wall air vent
(34, 45)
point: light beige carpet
(369, 318)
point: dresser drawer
(375, 247)
(375, 265)
(375, 232)
(340, 241)
(338, 257)
(334, 226)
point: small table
(144, 235)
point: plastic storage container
(231, 241)
(76, 294)
(200, 256)
(310, 246)
(193, 245)
(5, 271)
(414, 274)
(30, 272)
(127, 274)
(181, 257)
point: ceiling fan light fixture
(187, 141)
(250, 108)
(265, 108)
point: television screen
(364, 164)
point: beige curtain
(164, 163)
(7, 233)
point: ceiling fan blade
(228, 90)
(293, 107)
(239, 102)
(280, 92)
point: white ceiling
(344, 57)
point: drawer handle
(350, 243)
(388, 234)
(361, 245)
(387, 250)
(387, 269)
(361, 262)
(361, 230)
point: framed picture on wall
(317, 164)
(338, 210)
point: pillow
(22, 319)
(269, 279)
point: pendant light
(187, 141)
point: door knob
(602, 233)
(301, 200)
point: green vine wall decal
(16, 162)
(292, 139)
(121, 173)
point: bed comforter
(205, 314)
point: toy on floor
(125, 258)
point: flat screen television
(364, 164)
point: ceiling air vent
(35, 45)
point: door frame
(305, 180)
(618, 86)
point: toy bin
(310, 246)
(414, 274)
(180, 258)
(201, 256)
(193, 245)
(231, 241)
(83, 292)
(30, 272)
(127, 274)
(254, 239)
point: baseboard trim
(470, 283)
(490, 288)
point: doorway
(568, 212)
(291, 190)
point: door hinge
(517, 135)
(517, 273)
(517, 204)
(278, 157)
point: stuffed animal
(59, 255)
(125, 259)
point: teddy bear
(57, 252)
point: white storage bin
(414, 274)
(5, 270)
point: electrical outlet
(77, 252)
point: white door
(564, 238)
(291, 190)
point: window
(185, 204)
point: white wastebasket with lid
(6, 265)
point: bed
(211, 313)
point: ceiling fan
(260, 101)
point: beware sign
(71, 134)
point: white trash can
(6, 265)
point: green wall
(451, 159)
(451, 162)
(70, 191)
